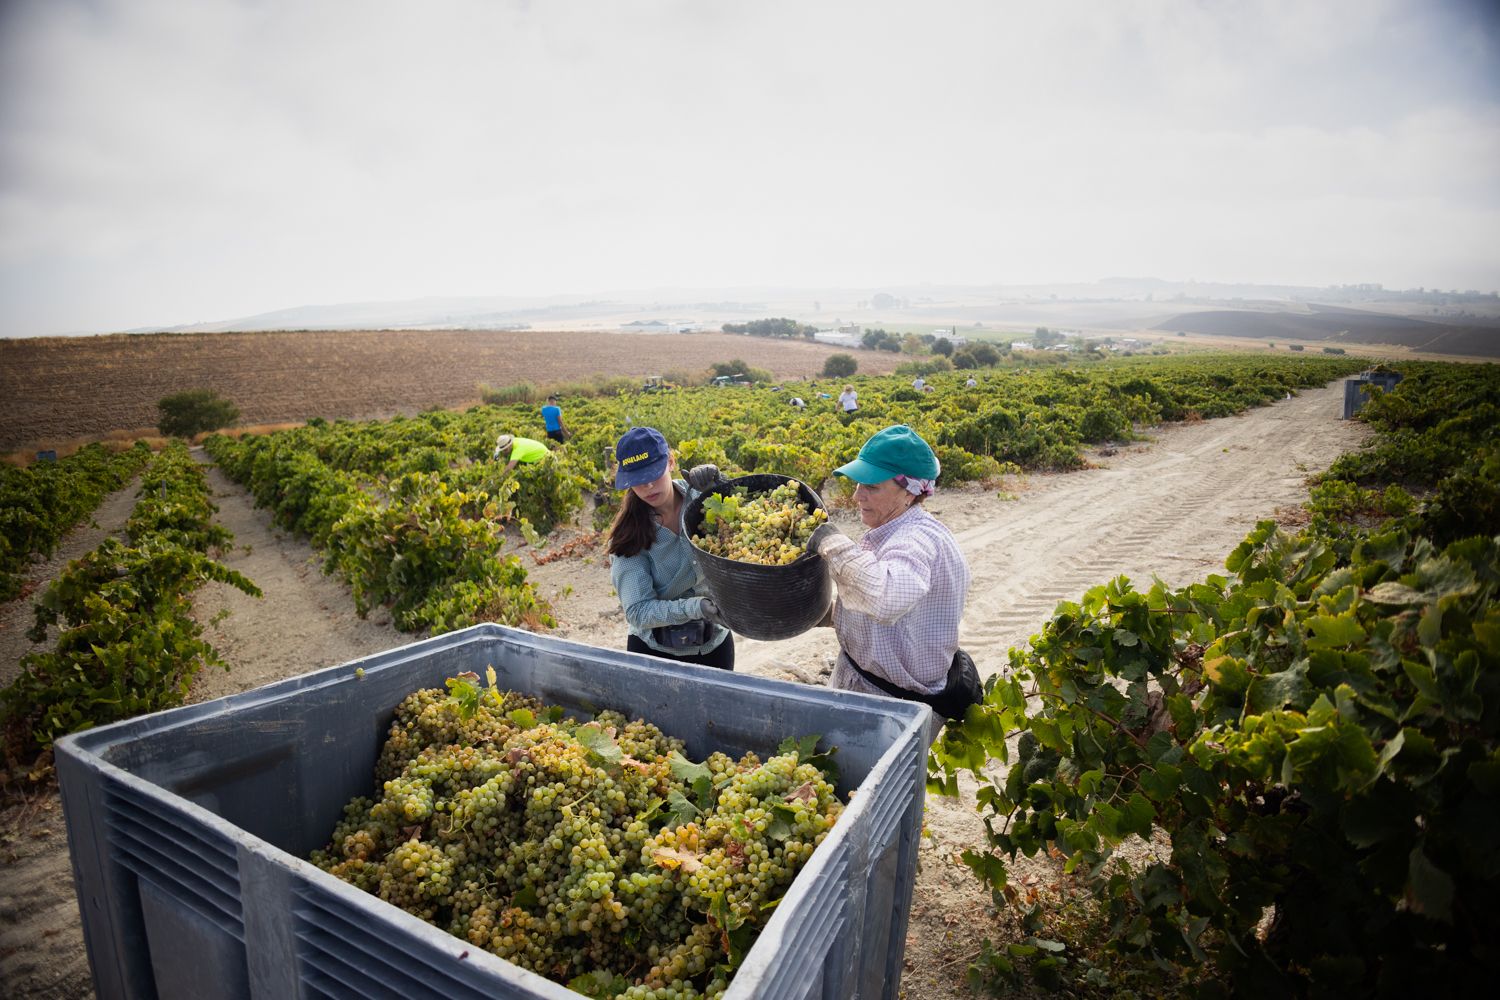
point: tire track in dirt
(305, 620)
(1190, 496)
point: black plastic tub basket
(763, 602)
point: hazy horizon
(165, 164)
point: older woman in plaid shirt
(901, 587)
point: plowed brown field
(57, 389)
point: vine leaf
(1289, 687)
(1429, 889)
(600, 745)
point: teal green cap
(895, 451)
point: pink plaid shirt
(901, 595)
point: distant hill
(1115, 303)
(1475, 337)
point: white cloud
(164, 162)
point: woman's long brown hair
(634, 527)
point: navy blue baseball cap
(642, 456)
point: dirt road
(1173, 506)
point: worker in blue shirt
(552, 417)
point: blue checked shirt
(641, 579)
(901, 591)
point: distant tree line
(978, 354)
(778, 327)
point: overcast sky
(167, 162)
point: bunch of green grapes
(771, 529)
(591, 853)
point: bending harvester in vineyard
(513, 450)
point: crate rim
(94, 744)
(96, 741)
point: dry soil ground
(55, 389)
(1173, 507)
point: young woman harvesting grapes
(651, 560)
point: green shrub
(978, 355)
(840, 366)
(984, 432)
(551, 491)
(184, 414)
(787, 459)
(1316, 733)
(1103, 423)
(702, 451)
(925, 367)
(959, 465)
(521, 392)
(1315, 736)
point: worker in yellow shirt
(513, 450)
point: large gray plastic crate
(1354, 389)
(188, 828)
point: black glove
(709, 611)
(704, 477)
(821, 534)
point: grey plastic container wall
(763, 602)
(188, 829)
(1353, 396)
(1355, 393)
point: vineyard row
(412, 514)
(40, 503)
(126, 642)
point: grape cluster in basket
(771, 528)
(592, 853)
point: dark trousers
(556, 436)
(721, 656)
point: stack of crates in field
(1355, 392)
(189, 829)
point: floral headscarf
(917, 487)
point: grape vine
(1317, 734)
(127, 643)
(411, 512)
(39, 503)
